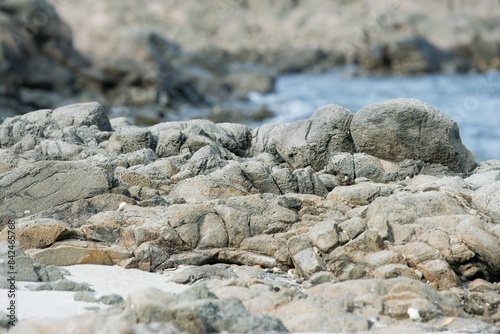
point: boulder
(68, 253)
(310, 142)
(46, 184)
(410, 129)
(80, 114)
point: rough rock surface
(295, 217)
(412, 130)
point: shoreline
(265, 223)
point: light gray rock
(359, 194)
(236, 224)
(487, 200)
(482, 242)
(260, 176)
(325, 235)
(410, 129)
(67, 253)
(43, 185)
(129, 139)
(169, 143)
(307, 262)
(206, 160)
(91, 113)
(342, 166)
(310, 142)
(309, 183)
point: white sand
(104, 280)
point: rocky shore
(379, 220)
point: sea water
(473, 100)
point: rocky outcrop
(384, 212)
(410, 129)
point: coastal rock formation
(366, 220)
(410, 129)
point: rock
(150, 305)
(310, 142)
(438, 271)
(412, 130)
(80, 114)
(308, 262)
(62, 285)
(129, 139)
(405, 56)
(325, 235)
(41, 233)
(47, 184)
(359, 194)
(110, 299)
(480, 241)
(67, 253)
(486, 199)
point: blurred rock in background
(173, 60)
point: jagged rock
(310, 142)
(412, 129)
(308, 262)
(476, 236)
(129, 139)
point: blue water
(473, 101)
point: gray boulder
(129, 139)
(310, 142)
(91, 113)
(43, 185)
(410, 129)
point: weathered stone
(91, 113)
(169, 143)
(438, 272)
(410, 129)
(394, 270)
(487, 199)
(67, 253)
(325, 235)
(43, 185)
(129, 139)
(40, 233)
(308, 262)
(310, 142)
(359, 194)
(481, 242)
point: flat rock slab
(46, 184)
